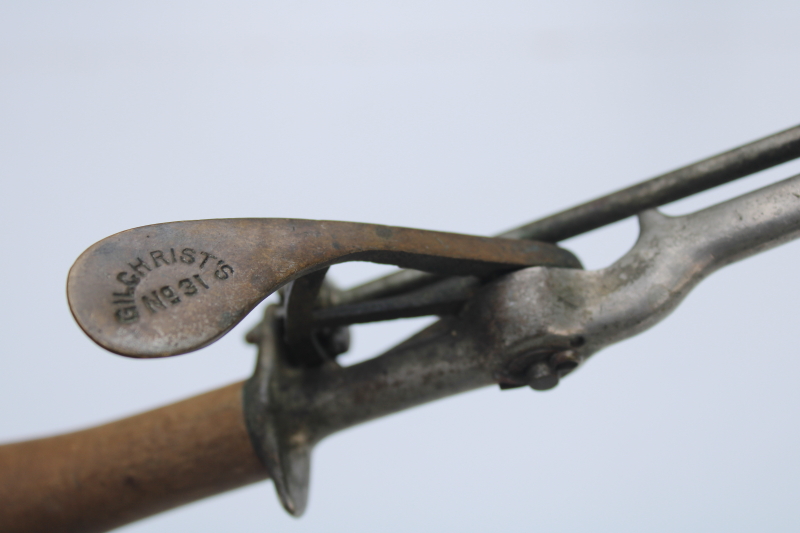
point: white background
(457, 116)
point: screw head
(541, 376)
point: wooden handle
(104, 477)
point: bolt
(541, 376)
(544, 375)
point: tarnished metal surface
(530, 327)
(443, 298)
(308, 343)
(300, 298)
(703, 175)
(172, 288)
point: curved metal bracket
(282, 447)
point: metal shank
(703, 175)
(514, 331)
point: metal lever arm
(173, 288)
(529, 327)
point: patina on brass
(172, 288)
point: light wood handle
(104, 477)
